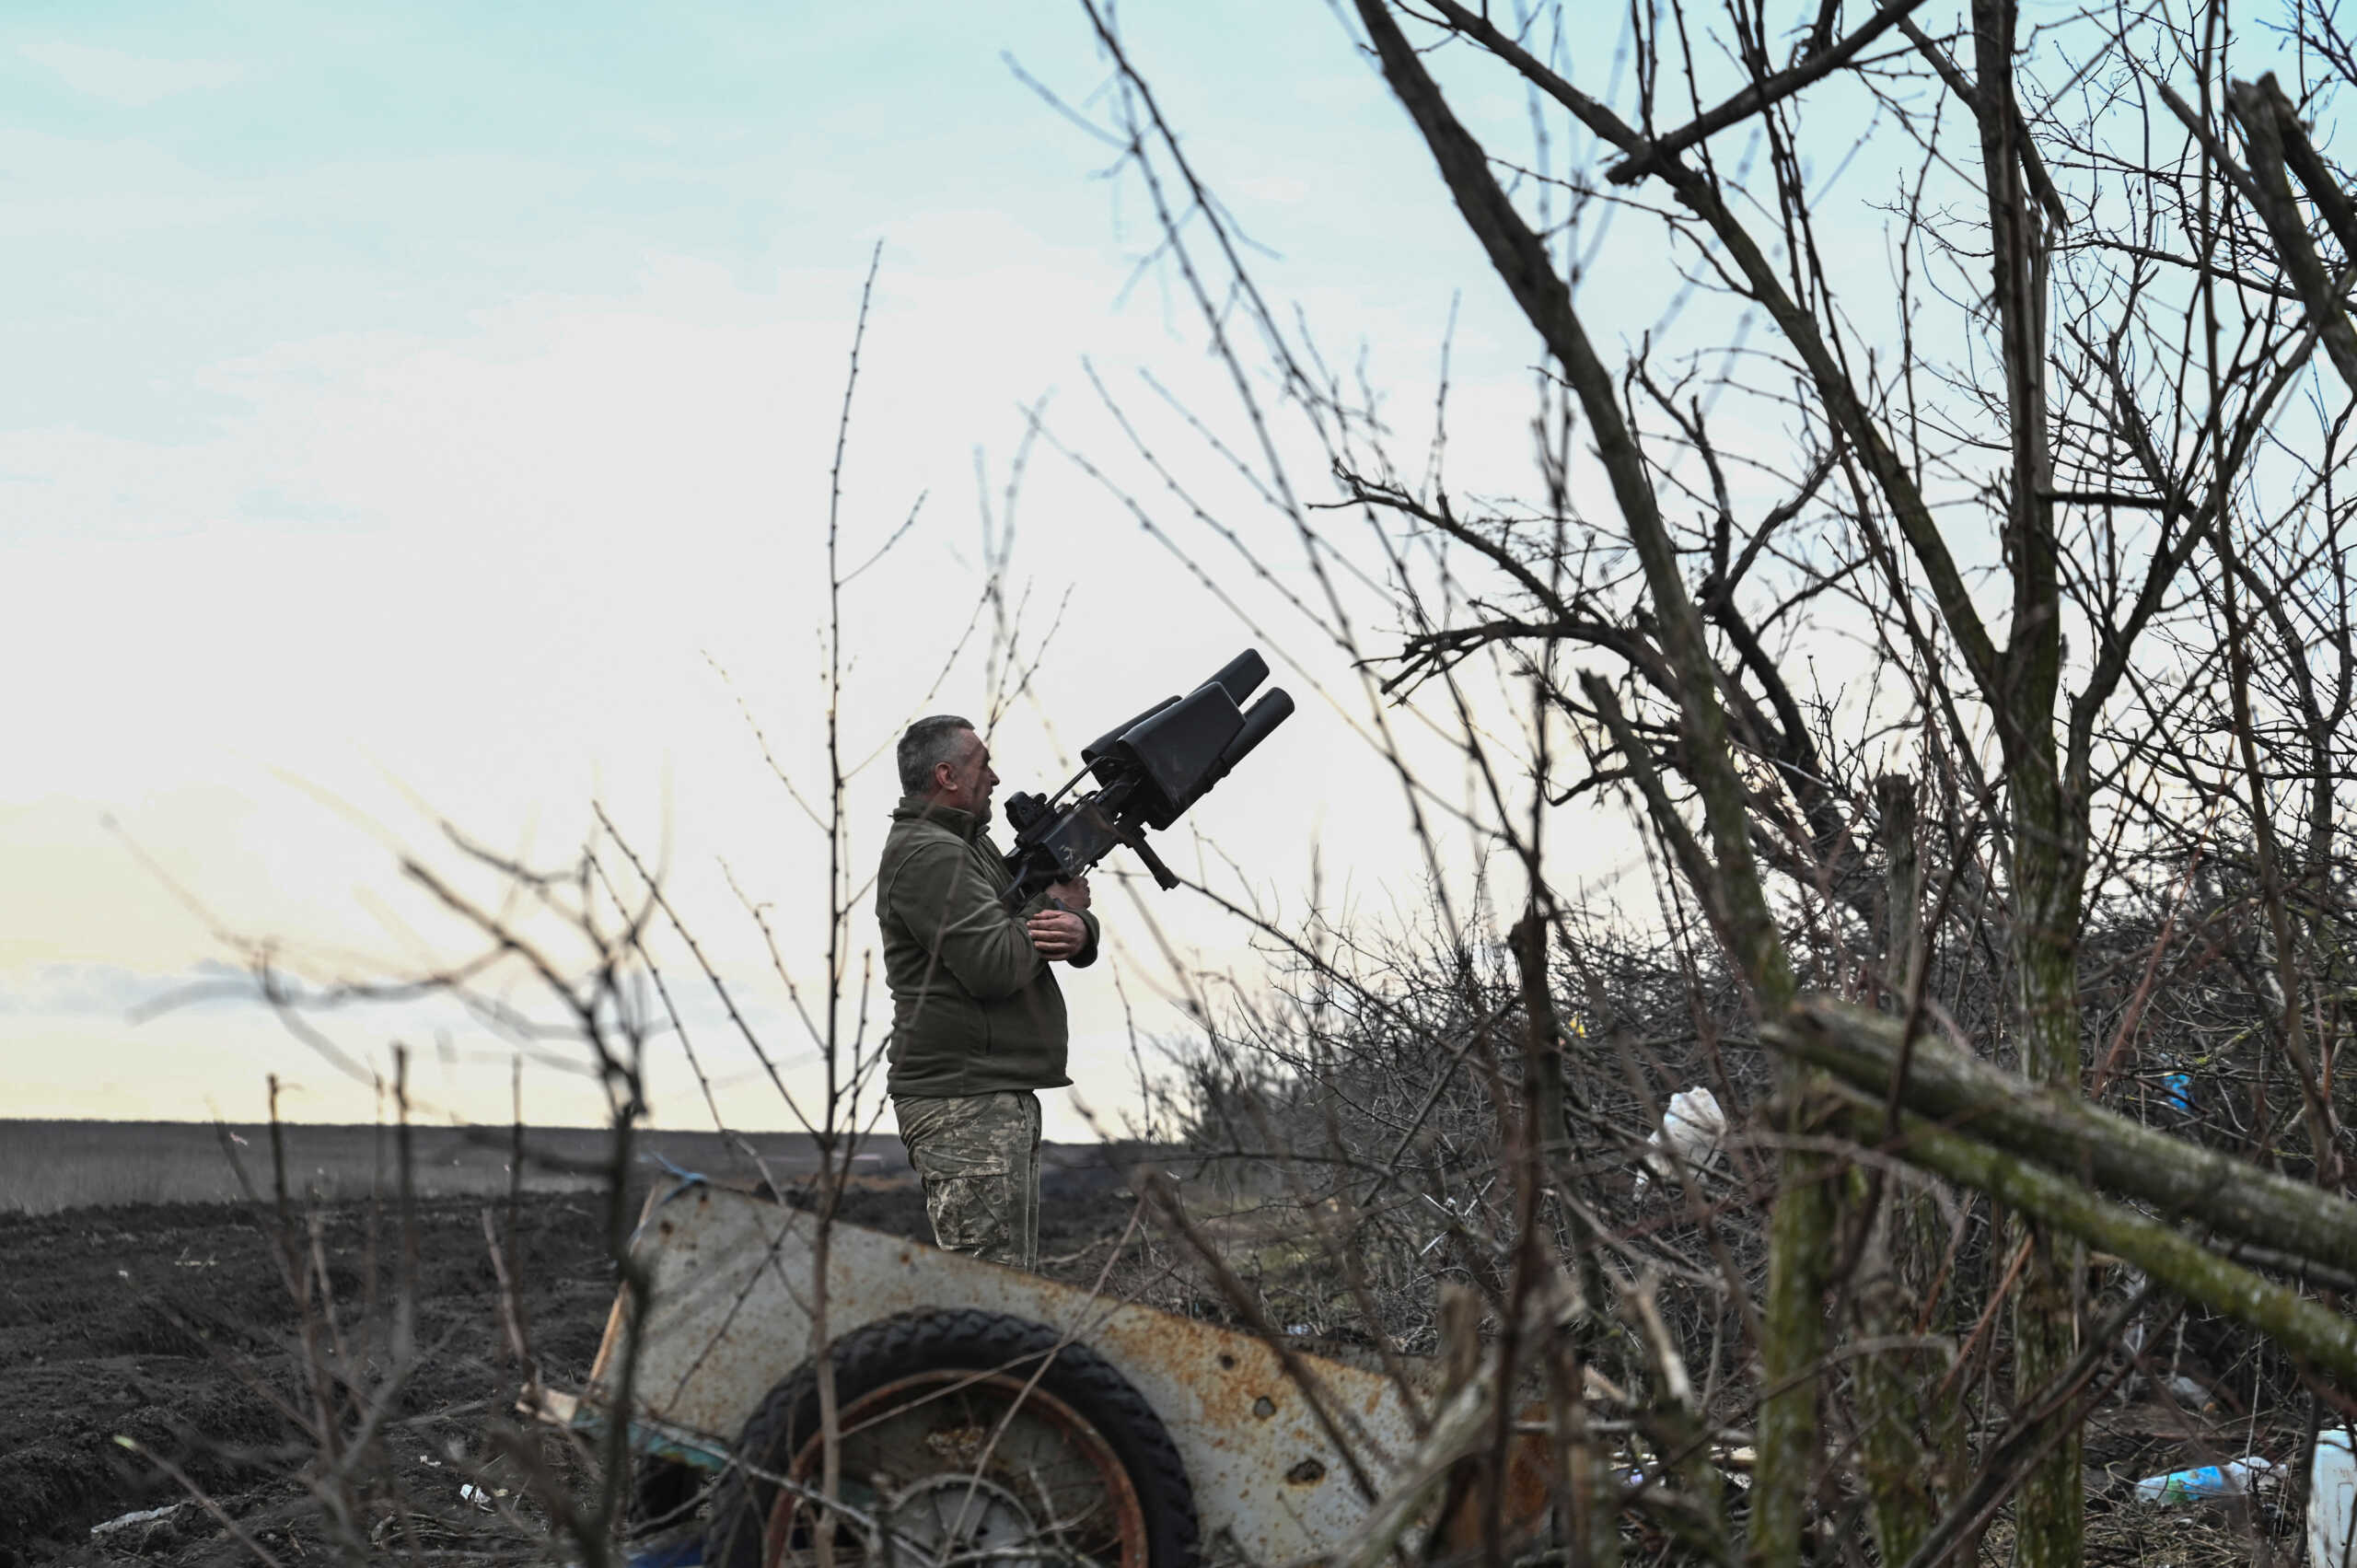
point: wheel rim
(962, 1465)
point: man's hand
(1058, 934)
(1072, 895)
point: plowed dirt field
(171, 1325)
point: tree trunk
(1892, 1388)
(2047, 844)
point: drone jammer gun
(1147, 770)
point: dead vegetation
(1970, 650)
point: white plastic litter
(2332, 1502)
(1694, 1124)
(144, 1516)
(2236, 1478)
(2185, 1391)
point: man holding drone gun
(978, 1021)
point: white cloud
(133, 81)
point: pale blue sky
(402, 403)
(189, 188)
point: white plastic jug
(2332, 1501)
(1693, 1124)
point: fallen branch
(2325, 1338)
(2004, 1111)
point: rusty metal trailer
(983, 1412)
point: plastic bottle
(2332, 1501)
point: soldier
(978, 1021)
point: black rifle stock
(1148, 770)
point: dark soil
(171, 1325)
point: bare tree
(2054, 493)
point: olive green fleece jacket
(975, 1009)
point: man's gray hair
(929, 743)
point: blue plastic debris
(2236, 1478)
(679, 1174)
(686, 1553)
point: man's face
(966, 783)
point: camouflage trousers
(978, 1157)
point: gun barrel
(1104, 744)
(1260, 721)
(1241, 674)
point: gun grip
(1162, 874)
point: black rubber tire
(958, 1340)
